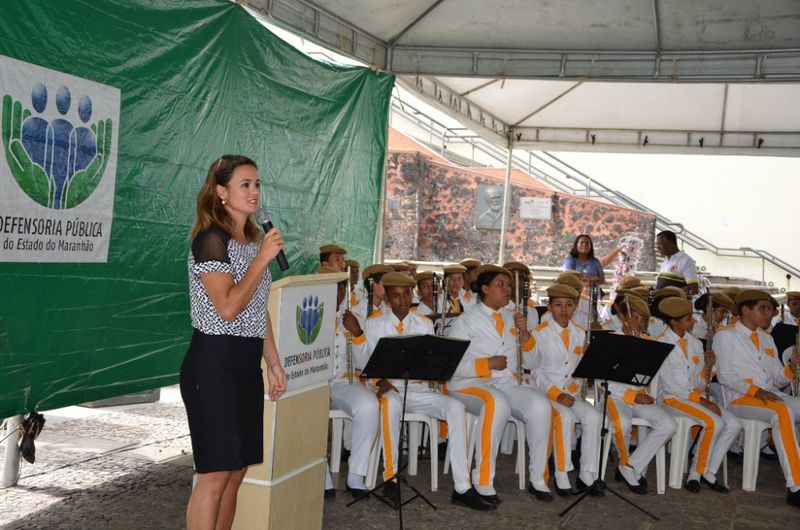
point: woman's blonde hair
(210, 210)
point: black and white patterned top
(213, 250)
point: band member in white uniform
(486, 381)
(354, 399)
(657, 326)
(421, 398)
(332, 256)
(721, 306)
(749, 368)
(792, 316)
(521, 271)
(372, 276)
(426, 306)
(456, 295)
(470, 277)
(628, 401)
(681, 387)
(558, 349)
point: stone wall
(431, 217)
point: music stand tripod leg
(600, 483)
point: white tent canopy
(678, 76)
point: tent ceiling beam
(774, 143)
(550, 102)
(740, 65)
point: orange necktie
(565, 338)
(399, 328)
(754, 338)
(682, 342)
(498, 323)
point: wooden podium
(286, 490)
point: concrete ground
(130, 467)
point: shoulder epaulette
(541, 326)
(375, 314)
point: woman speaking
(221, 380)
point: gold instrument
(517, 311)
(351, 371)
(592, 321)
(712, 329)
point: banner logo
(309, 319)
(57, 165)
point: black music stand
(421, 357)
(625, 359)
(784, 336)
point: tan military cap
(353, 264)
(562, 291)
(516, 266)
(490, 267)
(732, 292)
(469, 263)
(400, 267)
(629, 282)
(397, 279)
(792, 295)
(675, 307)
(377, 268)
(427, 275)
(669, 291)
(638, 305)
(332, 249)
(723, 299)
(571, 280)
(749, 295)
(454, 269)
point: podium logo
(309, 319)
(58, 161)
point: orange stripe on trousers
(485, 471)
(708, 431)
(387, 439)
(786, 428)
(619, 436)
(558, 434)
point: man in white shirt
(353, 398)
(749, 368)
(678, 268)
(421, 397)
(792, 316)
(470, 277)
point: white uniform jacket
(488, 338)
(745, 368)
(683, 373)
(554, 357)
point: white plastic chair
(753, 429)
(415, 423)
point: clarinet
(351, 372)
(592, 321)
(712, 325)
(517, 296)
(369, 297)
(434, 385)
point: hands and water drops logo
(309, 319)
(56, 163)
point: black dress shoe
(595, 489)
(639, 489)
(716, 486)
(793, 499)
(566, 492)
(643, 482)
(693, 486)
(619, 478)
(472, 500)
(540, 495)
(330, 494)
(357, 493)
(494, 500)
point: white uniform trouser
(782, 418)
(716, 438)
(533, 407)
(360, 404)
(650, 440)
(492, 408)
(564, 420)
(432, 404)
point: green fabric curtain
(197, 79)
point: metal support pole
(11, 462)
(506, 200)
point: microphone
(263, 218)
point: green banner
(112, 113)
